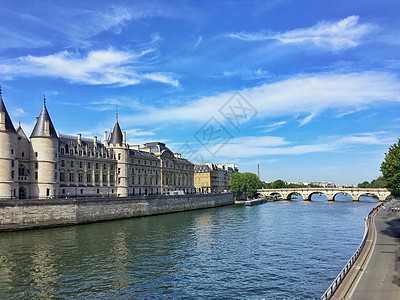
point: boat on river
(255, 202)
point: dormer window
(71, 152)
(62, 150)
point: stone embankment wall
(29, 214)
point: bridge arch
(343, 197)
(368, 197)
(276, 195)
(318, 196)
(297, 194)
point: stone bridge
(306, 193)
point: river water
(279, 250)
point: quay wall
(30, 214)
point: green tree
(390, 169)
(267, 185)
(245, 182)
(378, 183)
(365, 184)
(278, 184)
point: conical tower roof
(116, 135)
(39, 129)
(8, 124)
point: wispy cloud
(139, 132)
(259, 146)
(18, 112)
(116, 103)
(74, 26)
(273, 126)
(19, 39)
(97, 67)
(307, 119)
(350, 112)
(343, 34)
(198, 42)
(366, 138)
(248, 74)
(309, 94)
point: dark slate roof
(202, 169)
(116, 135)
(73, 142)
(9, 124)
(143, 154)
(182, 161)
(156, 147)
(38, 131)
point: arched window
(22, 170)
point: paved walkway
(376, 275)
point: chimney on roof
(124, 138)
(105, 138)
(79, 139)
(95, 141)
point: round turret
(8, 154)
(44, 157)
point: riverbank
(31, 213)
(375, 274)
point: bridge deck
(378, 276)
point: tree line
(376, 183)
(249, 183)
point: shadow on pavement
(393, 229)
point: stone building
(213, 178)
(48, 165)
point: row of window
(88, 165)
(103, 154)
(71, 177)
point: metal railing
(339, 279)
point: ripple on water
(280, 250)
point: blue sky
(309, 90)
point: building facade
(48, 165)
(213, 178)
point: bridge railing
(339, 279)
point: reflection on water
(43, 271)
(274, 250)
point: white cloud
(18, 112)
(160, 77)
(343, 34)
(366, 138)
(248, 74)
(300, 95)
(17, 39)
(357, 109)
(273, 126)
(198, 42)
(307, 119)
(259, 146)
(139, 132)
(98, 67)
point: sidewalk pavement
(376, 273)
